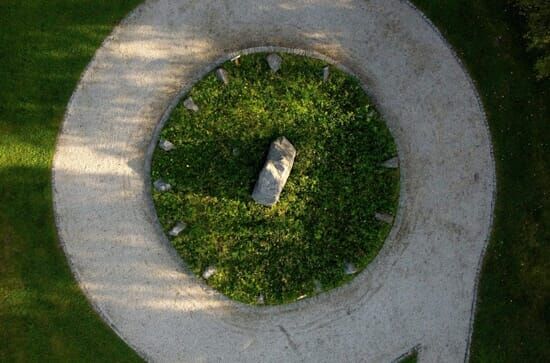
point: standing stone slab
(177, 229)
(162, 186)
(275, 172)
(222, 76)
(349, 268)
(274, 62)
(392, 163)
(166, 145)
(209, 272)
(236, 59)
(326, 73)
(190, 105)
(260, 299)
(384, 217)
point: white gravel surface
(420, 289)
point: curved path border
(420, 289)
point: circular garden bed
(335, 210)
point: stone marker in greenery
(274, 174)
(323, 229)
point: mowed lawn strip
(513, 312)
(44, 47)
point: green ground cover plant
(512, 321)
(326, 215)
(411, 358)
(44, 47)
(537, 16)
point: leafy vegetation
(514, 294)
(44, 46)
(325, 217)
(537, 15)
(411, 358)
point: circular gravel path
(420, 289)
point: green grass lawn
(325, 217)
(513, 313)
(412, 358)
(45, 45)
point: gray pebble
(236, 59)
(260, 300)
(210, 270)
(166, 145)
(326, 73)
(161, 186)
(274, 62)
(349, 268)
(318, 286)
(222, 75)
(190, 105)
(177, 229)
(383, 217)
(392, 163)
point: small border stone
(236, 59)
(222, 76)
(190, 105)
(177, 229)
(209, 272)
(349, 268)
(392, 163)
(260, 300)
(274, 61)
(166, 145)
(326, 73)
(318, 286)
(162, 186)
(384, 217)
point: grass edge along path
(512, 319)
(44, 48)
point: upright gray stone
(349, 268)
(166, 145)
(209, 272)
(177, 229)
(384, 217)
(222, 75)
(236, 59)
(162, 186)
(274, 62)
(190, 105)
(392, 163)
(260, 299)
(318, 286)
(275, 172)
(326, 73)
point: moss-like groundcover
(325, 219)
